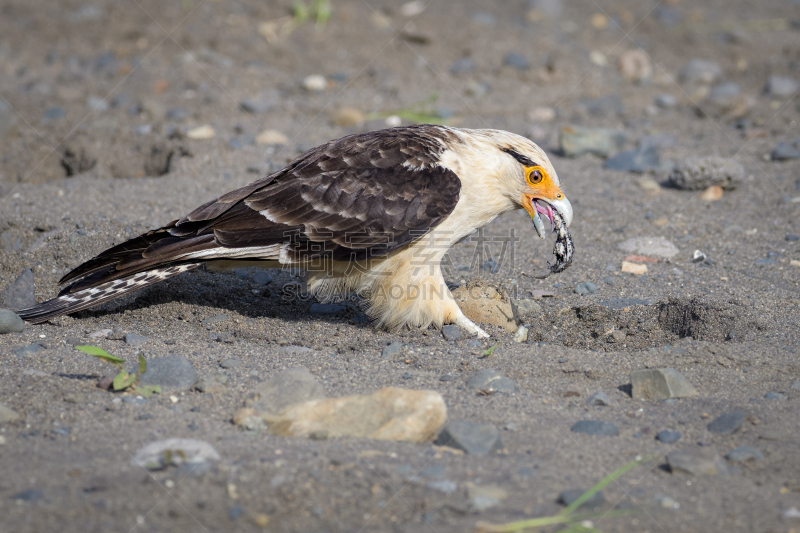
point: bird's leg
(471, 327)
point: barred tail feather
(92, 296)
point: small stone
(649, 246)
(490, 380)
(775, 396)
(781, 86)
(212, 383)
(792, 238)
(490, 265)
(201, 133)
(525, 308)
(697, 461)
(712, 194)
(230, 363)
(795, 385)
(443, 485)
(7, 414)
(595, 427)
(792, 512)
(516, 60)
(327, 309)
(633, 268)
(315, 83)
(10, 322)
(648, 185)
(569, 496)
(635, 66)
(172, 373)
(640, 160)
(261, 104)
(215, 319)
(598, 398)
(665, 101)
(29, 349)
(20, 294)
(135, 340)
(393, 349)
(469, 437)
(742, 454)
(726, 424)
(287, 387)
(462, 65)
(348, 116)
(667, 436)
(134, 400)
(482, 497)
(175, 451)
(54, 113)
(272, 138)
(697, 173)
(700, 71)
(660, 384)
(261, 520)
(261, 277)
(575, 141)
(521, 335)
(610, 280)
(388, 414)
(586, 288)
(785, 152)
(451, 332)
(30, 495)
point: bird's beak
(535, 206)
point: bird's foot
(472, 328)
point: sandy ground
(170, 68)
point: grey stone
(451, 332)
(721, 92)
(726, 424)
(471, 438)
(327, 309)
(516, 60)
(610, 280)
(697, 461)
(649, 246)
(285, 388)
(796, 385)
(660, 384)
(574, 141)
(586, 288)
(21, 293)
(54, 113)
(134, 339)
(172, 373)
(30, 495)
(29, 349)
(261, 277)
(524, 307)
(640, 160)
(781, 86)
(549, 8)
(784, 152)
(491, 380)
(10, 322)
(697, 173)
(490, 265)
(215, 319)
(657, 140)
(175, 451)
(667, 436)
(230, 363)
(667, 15)
(700, 71)
(8, 241)
(178, 114)
(443, 485)
(393, 349)
(605, 106)
(598, 398)
(212, 383)
(741, 454)
(7, 414)
(482, 497)
(792, 238)
(775, 396)
(462, 65)
(665, 101)
(765, 261)
(595, 427)
(133, 400)
(569, 496)
(260, 104)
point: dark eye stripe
(519, 157)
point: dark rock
(54, 113)
(327, 309)
(261, 277)
(595, 427)
(469, 437)
(792, 238)
(490, 380)
(775, 396)
(178, 114)
(30, 495)
(173, 373)
(586, 288)
(668, 436)
(21, 293)
(742, 454)
(10, 322)
(785, 151)
(726, 424)
(569, 496)
(29, 349)
(451, 332)
(516, 60)
(235, 512)
(158, 160)
(77, 159)
(490, 265)
(598, 398)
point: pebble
(285, 388)
(443, 485)
(586, 288)
(327, 309)
(215, 319)
(604, 107)
(178, 114)
(230, 363)
(649, 246)
(134, 400)
(665, 101)
(792, 238)
(660, 384)
(795, 385)
(235, 512)
(635, 66)
(786, 151)
(451, 332)
(20, 294)
(525, 307)
(640, 160)
(348, 116)
(260, 104)
(726, 424)
(742, 454)
(212, 383)
(516, 60)
(272, 138)
(490, 265)
(201, 133)
(697, 461)
(261, 277)
(315, 83)
(172, 373)
(521, 335)
(574, 141)
(10, 322)
(569, 496)
(482, 497)
(387, 414)
(54, 113)
(781, 86)
(30, 495)
(490, 380)
(775, 396)
(393, 349)
(7, 414)
(175, 451)
(135, 340)
(595, 427)
(697, 173)
(667, 436)
(476, 439)
(712, 194)
(700, 71)
(610, 280)
(29, 349)
(462, 65)
(598, 398)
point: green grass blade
(100, 354)
(600, 485)
(142, 365)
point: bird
(372, 213)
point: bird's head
(535, 182)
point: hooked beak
(536, 206)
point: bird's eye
(535, 176)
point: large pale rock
(697, 461)
(660, 384)
(649, 246)
(484, 305)
(387, 414)
(287, 387)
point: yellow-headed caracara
(372, 213)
